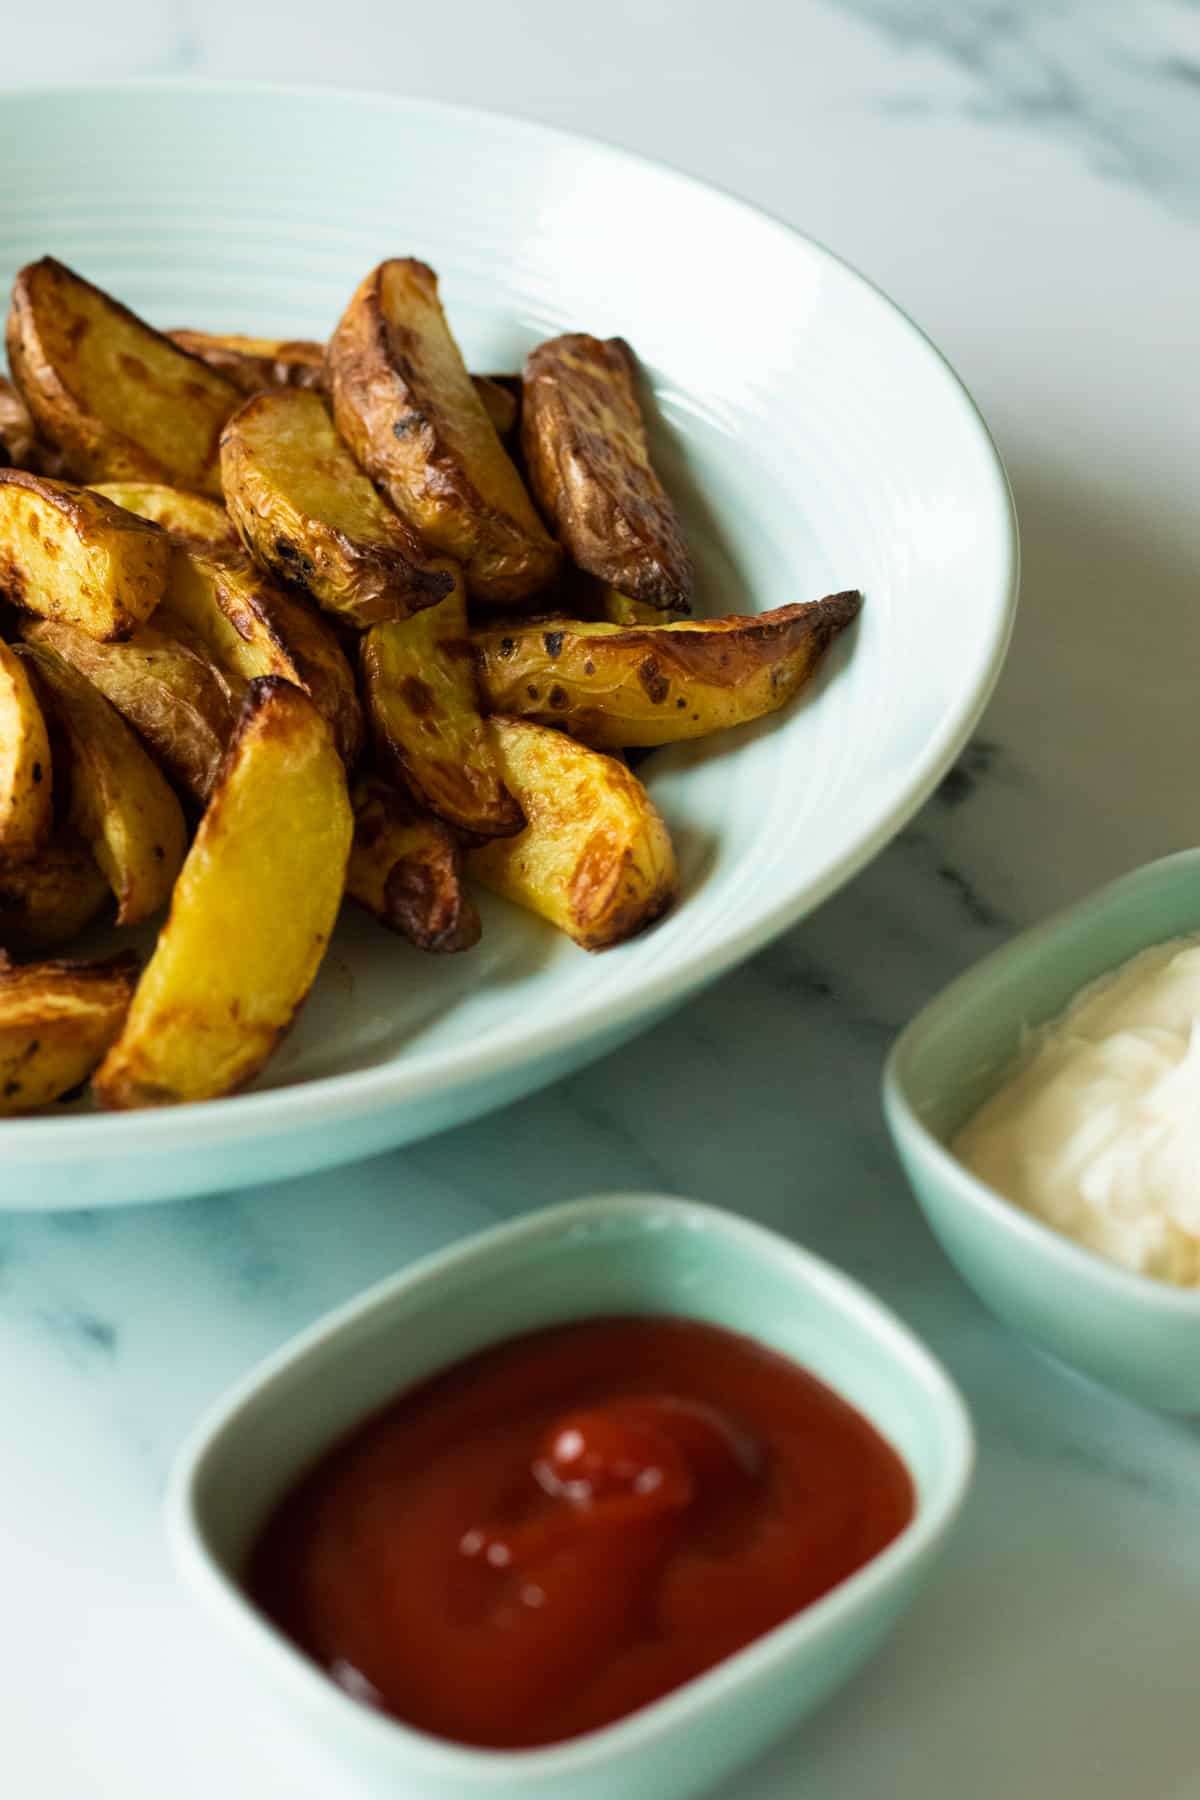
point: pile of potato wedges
(284, 622)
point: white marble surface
(1025, 179)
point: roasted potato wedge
(500, 395)
(26, 786)
(56, 1022)
(620, 609)
(405, 404)
(406, 869)
(162, 682)
(48, 901)
(255, 363)
(18, 444)
(654, 684)
(308, 514)
(422, 698)
(203, 523)
(595, 857)
(120, 805)
(251, 628)
(120, 400)
(589, 465)
(252, 913)
(67, 553)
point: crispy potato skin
(26, 776)
(18, 441)
(56, 1021)
(405, 404)
(585, 449)
(121, 805)
(254, 363)
(595, 857)
(252, 913)
(307, 513)
(48, 901)
(422, 695)
(649, 685)
(120, 400)
(164, 684)
(67, 553)
(203, 523)
(406, 869)
(251, 628)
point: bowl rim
(933, 1512)
(1077, 1261)
(364, 1092)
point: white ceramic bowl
(813, 438)
(593, 1258)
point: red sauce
(569, 1525)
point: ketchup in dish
(568, 1525)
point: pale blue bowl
(1136, 1334)
(623, 1254)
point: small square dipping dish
(621, 1255)
(1133, 1333)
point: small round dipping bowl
(1136, 1334)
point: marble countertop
(1024, 178)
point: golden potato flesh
(120, 400)
(49, 900)
(422, 698)
(56, 1022)
(255, 363)
(307, 513)
(26, 810)
(203, 523)
(120, 805)
(66, 553)
(251, 628)
(162, 682)
(595, 857)
(500, 395)
(589, 466)
(405, 404)
(251, 917)
(655, 684)
(406, 869)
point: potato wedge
(614, 688)
(595, 857)
(621, 609)
(120, 805)
(162, 682)
(48, 901)
(26, 785)
(589, 466)
(252, 914)
(406, 869)
(422, 698)
(500, 395)
(17, 438)
(405, 404)
(251, 628)
(255, 363)
(56, 1022)
(198, 521)
(308, 514)
(120, 400)
(67, 553)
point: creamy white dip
(1096, 1130)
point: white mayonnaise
(1097, 1128)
